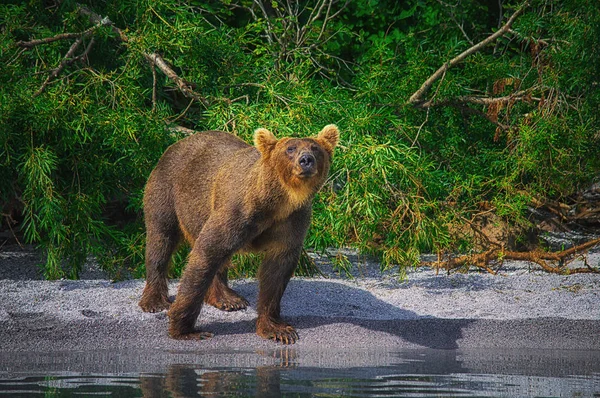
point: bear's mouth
(306, 173)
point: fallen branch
(67, 60)
(95, 18)
(552, 262)
(417, 98)
(471, 99)
(579, 210)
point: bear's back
(187, 170)
(198, 154)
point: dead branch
(295, 35)
(154, 58)
(63, 36)
(580, 209)
(184, 87)
(68, 59)
(153, 87)
(95, 18)
(447, 7)
(471, 99)
(417, 98)
(552, 262)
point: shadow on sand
(316, 303)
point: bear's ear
(329, 137)
(264, 141)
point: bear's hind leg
(221, 296)
(159, 248)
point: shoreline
(517, 309)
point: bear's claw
(154, 304)
(287, 337)
(227, 300)
(277, 331)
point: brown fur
(224, 196)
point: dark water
(286, 372)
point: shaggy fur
(224, 196)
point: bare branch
(479, 100)
(325, 20)
(314, 15)
(269, 30)
(518, 96)
(96, 19)
(63, 36)
(558, 260)
(85, 53)
(417, 98)
(316, 12)
(153, 87)
(340, 10)
(159, 62)
(154, 58)
(68, 59)
(460, 26)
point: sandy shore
(521, 308)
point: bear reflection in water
(189, 380)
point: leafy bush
(77, 144)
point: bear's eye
(314, 148)
(291, 149)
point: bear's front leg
(210, 252)
(212, 249)
(197, 277)
(274, 274)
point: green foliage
(76, 148)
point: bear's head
(301, 164)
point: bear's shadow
(309, 304)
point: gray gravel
(521, 308)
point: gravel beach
(520, 308)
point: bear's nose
(307, 161)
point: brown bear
(224, 196)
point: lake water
(284, 371)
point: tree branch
(63, 36)
(95, 18)
(68, 59)
(187, 91)
(417, 98)
(482, 260)
(154, 58)
(459, 25)
(153, 88)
